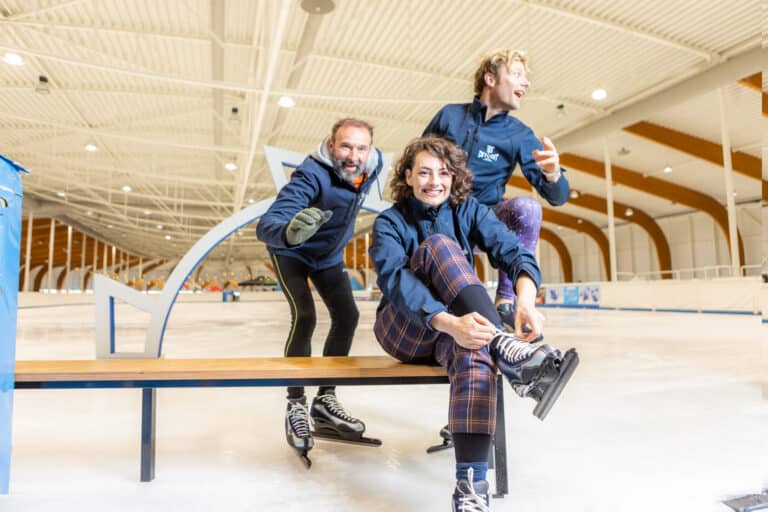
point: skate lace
(299, 419)
(335, 407)
(512, 348)
(471, 501)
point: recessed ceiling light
(230, 166)
(91, 148)
(667, 170)
(580, 221)
(251, 201)
(286, 102)
(147, 212)
(14, 59)
(574, 194)
(127, 188)
(110, 226)
(629, 212)
(159, 226)
(167, 237)
(61, 194)
(89, 212)
(599, 94)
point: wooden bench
(150, 374)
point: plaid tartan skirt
(441, 265)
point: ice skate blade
(304, 458)
(447, 445)
(568, 366)
(362, 440)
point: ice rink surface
(667, 412)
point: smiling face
(349, 148)
(506, 89)
(429, 179)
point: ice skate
(471, 496)
(506, 311)
(333, 423)
(537, 371)
(447, 438)
(297, 428)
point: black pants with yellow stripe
(332, 284)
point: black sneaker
(471, 496)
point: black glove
(305, 224)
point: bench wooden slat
(221, 369)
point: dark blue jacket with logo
(314, 183)
(494, 147)
(398, 231)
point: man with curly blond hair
(495, 143)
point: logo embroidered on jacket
(488, 155)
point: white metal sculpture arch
(159, 307)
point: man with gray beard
(306, 230)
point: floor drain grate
(749, 503)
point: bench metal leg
(500, 442)
(148, 409)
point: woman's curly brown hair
(454, 157)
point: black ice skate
(537, 371)
(447, 438)
(297, 431)
(506, 311)
(333, 423)
(471, 496)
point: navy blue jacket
(398, 231)
(314, 183)
(494, 147)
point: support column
(84, 242)
(65, 283)
(104, 261)
(611, 219)
(28, 251)
(50, 254)
(733, 233)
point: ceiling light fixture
(43, 87)
(580, 221)
(230, 166)
(317, 6)
(61, 194)
(14, 59)
(251, 201)
(91, 147)
(286, 102)
(629, 212)
(147, 212)
(234, 115)
(667, 169)
(127, 188)
(167, 237)
(599, 94)
(159, 226)
(574, 194)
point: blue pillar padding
(10, 242)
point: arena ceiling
(171, 94)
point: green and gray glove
(305, 224)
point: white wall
(694, 240)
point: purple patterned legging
(523, 216)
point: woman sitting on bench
(434, 308)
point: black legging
(333, 286)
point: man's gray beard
(338, 166)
